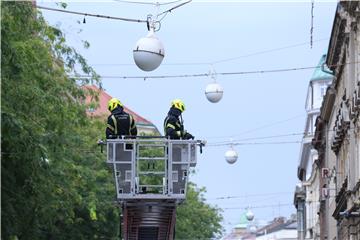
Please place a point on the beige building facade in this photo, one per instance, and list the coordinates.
(328, 198)
(337, 134)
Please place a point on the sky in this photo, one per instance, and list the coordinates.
(256, 110)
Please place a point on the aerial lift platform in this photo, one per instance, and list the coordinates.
(151, 175)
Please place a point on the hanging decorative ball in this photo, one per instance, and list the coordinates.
(249, 215)
(231, 156)
(214, 92)
(149, 52)
(252, 229)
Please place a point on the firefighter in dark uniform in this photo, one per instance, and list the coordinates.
(119, 123)
(173, 124)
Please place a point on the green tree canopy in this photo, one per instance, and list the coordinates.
(196, 219)
(53, 180)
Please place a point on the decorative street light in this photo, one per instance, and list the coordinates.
(249, 215)
(231, 155)
(214, 91)
(149, 51)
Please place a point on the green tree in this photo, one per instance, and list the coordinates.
(195, 219)
(53, 179)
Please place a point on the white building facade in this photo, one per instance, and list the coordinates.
(307, 193)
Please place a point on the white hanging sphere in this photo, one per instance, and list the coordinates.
(149, 52)
(253, 229)
(214, 92)
(249, 215)
(231, 156)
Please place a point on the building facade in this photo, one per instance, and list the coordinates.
(344, 137)
(337, 134)
(307, 192)
(278, 228)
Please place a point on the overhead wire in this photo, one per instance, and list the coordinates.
(92, 15)
(208, 74)
(259, 206)
(258, 128)
(266, 206)
(218, 61)
(246, 201)
(112, 17)
(169, 10)
(266, 51)
(251, 195)
(162, 17)
(201, 74)
(251, 143)
(258, 138)
(149, 3)
(312, 24)
(242, 142)
(136, 2)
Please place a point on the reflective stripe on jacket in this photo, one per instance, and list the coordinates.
(173, 127)
(120, 123)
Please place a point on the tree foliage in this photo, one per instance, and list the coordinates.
(54, 182)
(196, 219)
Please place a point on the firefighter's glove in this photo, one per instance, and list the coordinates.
(188, 136)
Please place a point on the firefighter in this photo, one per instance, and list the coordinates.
(173, 123)
(119, 123)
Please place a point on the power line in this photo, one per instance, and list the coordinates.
(251, 143)
(148, 3)
(261, 127)
(136, 2)
(243, 141)
(173, 8)
(312, 24)
(92, 15)
(263, 206)
(111, 17)
(251, 195)
(266, 137)
(260, 206)
(218, 61)
(265, 51)
(210, 74)
(202, 74)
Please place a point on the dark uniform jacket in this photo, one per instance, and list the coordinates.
(120, 123)
(173, 126)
